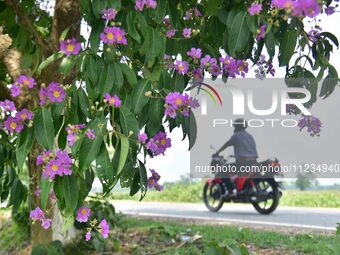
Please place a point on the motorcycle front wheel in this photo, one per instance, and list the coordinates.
(269, 205)
(213, 196)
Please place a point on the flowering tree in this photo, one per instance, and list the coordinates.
(73, 107)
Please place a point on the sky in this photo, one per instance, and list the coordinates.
(176, 161)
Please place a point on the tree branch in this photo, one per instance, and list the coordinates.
(28, 24)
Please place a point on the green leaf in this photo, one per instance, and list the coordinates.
(287, 46)
(18, 194)
(128, 121)
(43, 128)
(239, 34)
(160, 11)
(90, 148)
(212, 7)
(124, 151)
(140, 181)
(69, 191)
(23, 146)
(139, 100)
(156, 114)
(49, 60)
(152, 46)
(45, 186)
(98, 6)
(129, 74)
(118, 75)
(66, 65)
(94, 38)
(104, 168)
(131, 26)
(329, 82)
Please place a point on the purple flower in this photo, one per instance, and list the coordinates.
(254, 8)
(7, 106)
(24, 80)
(330, 10)
(207, 61)
(37, 214)
(46, 223)
(59, 163)
(282, 4)
(215, 70)
(88, 236)
(109, 14)
(23, 115)
(105, 228)
(54, 93)
(159, 143)
(186, 32)
(310, 8)
(142, 137)
(182, 67)
(113, 35)
(70, 47)
(197, 12)
(153, 179)
(112, 100)
(313, 125)
(13, 124)
(73, 133)
(90, 134)
(148, 3)
(15, 90)
(159, 187)
(195, 53)
(233, 67)
(313, 35)
(261, 32)
(178, 102)
(198, 74)
(170, 33)
(83, 214)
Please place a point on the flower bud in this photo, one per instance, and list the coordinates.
(148, 93)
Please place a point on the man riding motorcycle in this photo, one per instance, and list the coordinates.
(244, 151)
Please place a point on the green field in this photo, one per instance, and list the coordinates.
(192, 193)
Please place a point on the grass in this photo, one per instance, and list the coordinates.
(139, 236)
(192, 193)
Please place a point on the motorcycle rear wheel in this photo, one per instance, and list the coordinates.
(272, 187)
(213, 193)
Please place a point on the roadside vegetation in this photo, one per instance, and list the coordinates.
(191, 192)
(145, 236)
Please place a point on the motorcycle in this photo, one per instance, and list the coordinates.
(262, 189)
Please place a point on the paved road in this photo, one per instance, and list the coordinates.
(297, 218)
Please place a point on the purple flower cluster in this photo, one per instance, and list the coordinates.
(176, 102)
(109, 14)
(233, 67)
(313, 35)
(14, 124)
(299, 8)
(73, 133)
(264, 67)
(54, 92)
(38, 215)
(186, 32)
(112, 100)
(158, 144)
(70, 46)
(83, 215)
(193, 12)
(22, 81)
(313, 125)
(153, 181)
(59, 163)
(329, 10)
(254, 8)
(196, 64)
(113, 35)
(141, 4)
